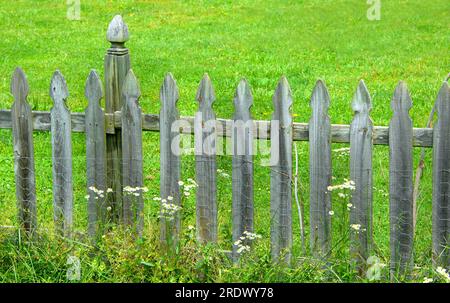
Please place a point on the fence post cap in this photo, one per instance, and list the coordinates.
(117, 30)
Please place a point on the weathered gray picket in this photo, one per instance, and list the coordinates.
(320, 171)
(401, 182)
(170, 164)
(24, 171)
(441, 179)
(132, 166)
(117, 64)
(95, 155)
(61, 155)
(281, 173)
(242, 163)
(205, 163)
(361, 174)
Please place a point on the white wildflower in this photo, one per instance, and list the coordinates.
(356, 227)
(443, 272)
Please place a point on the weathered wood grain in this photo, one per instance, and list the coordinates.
(401, 182)
(320, 171)
(132, 166)
(441, 179)
(95, 156)
(281, 174)
(117, 64)
(170, 164)
(61, 155)
(24, 170)
(242, 163)
(361, 173)
(340, 133)
(205, 163)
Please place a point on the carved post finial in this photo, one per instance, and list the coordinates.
(117, 31)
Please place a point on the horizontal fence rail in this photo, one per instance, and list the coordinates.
(340, 133)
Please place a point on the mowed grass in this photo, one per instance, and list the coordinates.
(258, 40)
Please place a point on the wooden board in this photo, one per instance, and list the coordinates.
(61, 155)
(281, 174)
(24, 170)
(401, 182)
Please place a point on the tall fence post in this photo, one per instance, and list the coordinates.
(242, 174)
(320, 171)
(205, 163)
(361, 173)
(95, 156)
(169, 159)
(117, 64)
(61, 155)
(22, 130)
(401, 182)
(441, 179)
(133, 201)
(281, 174)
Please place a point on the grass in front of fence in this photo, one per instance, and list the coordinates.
(259, 40)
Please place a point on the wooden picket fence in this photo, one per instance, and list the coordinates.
(114, 159)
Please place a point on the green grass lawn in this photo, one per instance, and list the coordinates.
(259, 40)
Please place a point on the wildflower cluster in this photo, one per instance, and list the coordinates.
(134, 191)
(357, 228)
(222, 173)
(342, 152)
(348, 184)
(343, 193)
(187, 187)
(168, 209)
(98, 192)
(443, 273)
(243, 243)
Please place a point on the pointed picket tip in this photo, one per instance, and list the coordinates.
(282, 102)
(362, 103)
(169, 90)
(93, 89)
(243, 94)
(443, 97)
(401, 101)
(283, 92)
(205, 92)
(58, 87)
(19, 85)
(320, 96)
(169, 80)
(448, 77)
(117, 30)
(131, 86)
